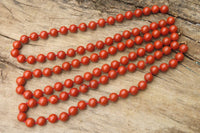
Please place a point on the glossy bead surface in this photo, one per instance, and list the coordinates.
(73, 110)
(93, 84)
(73, 28)
(30, 122)
(53, 118)
(63, 116)
(164, 9)
(54, 32)
(164, 67)
(34, 36)
(74, 92)
(41, 120)
(173, 63)
(82, 105)
(123, 93)
(21, 117)
(155, 9)
(119, 17)
(31, 103)
(142, 85)
(103, 100)
(133, 90)
(53, 99)
(92, 102)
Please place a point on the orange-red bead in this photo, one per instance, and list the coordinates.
(73, 110)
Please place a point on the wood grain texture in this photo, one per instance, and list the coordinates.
(170, 104)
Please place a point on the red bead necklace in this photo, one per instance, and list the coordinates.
(106, 72)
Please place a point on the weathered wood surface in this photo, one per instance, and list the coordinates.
(170, 104)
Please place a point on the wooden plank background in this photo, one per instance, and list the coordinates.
(171, 102)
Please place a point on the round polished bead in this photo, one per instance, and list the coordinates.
(113, 97)
(83, 88)
(115, 64)
(170, 20)
(48, 90)
(111, 20)
(71, 52)
(17, 45)
(92, 25)
(68, 83)
(58, 86)
(105, 68)
(121, 70)
(183, 48)
(57, 69)
(153, 26)
(96, 72)
(101, 22)
(83, 27)
(63, 116)
(92, 102)
(41, 120)
(73, 28)
(73, 110)
(131, 67)
(64, 96)
(129, 43)
(82, 105)
(27, 74)
(23, 107)
(133, 90)
(142, 85)
(129, 15)
(75, 63)
(158, 55)
(85, 60)
(146, 11)
(166, 50)
(154, 70)
(123, 93)
(173, 63)
(164, 31)
(156, 33)
(148, 77)
(158, 44)
(28, 94)
(51, 56)
(117, 37)
(24, 39)
(74, 92)
(88, 76)
(179, 57)
(174, 36)
(149, 47)
(41, 58)
(121, 46)
(31, 103)
(80, 50)
(63, 30)
(90, 47)
(155, 9)
(94, 57)
(93, 84)
(61, 55)
(162, 23)
(138, 13)
(135, 32)
(119, 17)
(150, 59)
(21, 117)
(78, 79)
(126, 34)
(43, 35)
(47, 72)
(132, 56)
(34, 36)
(103, 79)
(174, 45)
(53, 99)
(14, 53)
(138, 40)
(54, 32)
(21, 58)
(30, 122)
(20, 89)
(109, 41)
(112, 74)
(103, 54)
(66, 66)
(140, 52)
(166, 41)
(43, 101)
(145, 29)
(38, 93)
(31, 59)
(103, 100)
(141, 64)
(173, 28)
(164, 67)
(124, 60)
(147, 37)
(53, 118)
(20, 81)
(164, 9)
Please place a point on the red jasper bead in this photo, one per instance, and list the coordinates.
(23, 107)
(61, 55)
(126, 34)
(156, 33)
(47, 72)
(121, 46)
(20, 81)
(133, 90)
(20, 89)
(174, 45)
(173, 63)
(31, 59)
(63, 30)
(146, 11)
(83, 27)
(158, 55)
(68, 83)
(132, 56)
(135, 32)
(141, 52)
(129, 15)
(129, 43)
(179, 57)
(138, 40)
(119, 18)
(53, 99)
(103, 54)
(124, 60)
(83, 88)
(123, 93)
(150, 59)
(64, 96)
(101, 22)
(73, 28)
(103, 100)
(58, 86)
(105, 68)
(27, 74)
(41, 58)
(43, 35)
(96, 72)
(111, 20)
(51, 56)
(20, 58)
(73, 110)
(94, 57)
(183, 48)
(115, 64)
(103, 79)
(147, 37)
(166, 41)
(164, 31)
(74, 92)
(170, 20)
(71, 52)
(78, 79)
(166, 50)
(131, 67)
(92, 25)
(30, 122)
(142, 85)
(80, 50)
(48, 90)
(21, 117)
(155, 9)
(53, 32)
(99, 44)
(145, 29)
(154, 70)
(17, 45)
(75, 63)
(113, 97)
(164, 9)
(93, 84)
(162, 23)
(82, 105)
(109, 41)
(92, 102)
(174, 36)
(158, 44)
(149, 47)
(121, 70)
(37, 73)
(141, 64)
(24, 39)
(173, 28)
(66, 66)
(31, 103)
(138, 13)
(164, 67)
(112, 74)
(53, 118)
(34, 36)
(14, 52)
(43, 101)
(38, 93)
(153, 26)
(57, 69)
(90, 47)
(88, 76)
(117, 37)
(41, 120)
(28, 94)
(63, 116)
